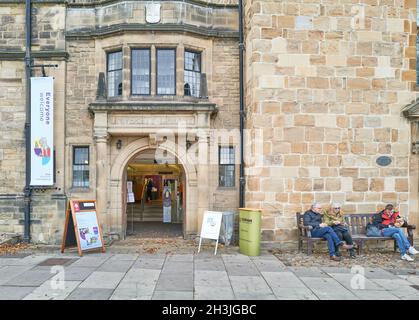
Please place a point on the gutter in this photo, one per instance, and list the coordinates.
(28, 189)
(242, 102)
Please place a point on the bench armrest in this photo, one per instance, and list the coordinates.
(306, 227)
(411, 226)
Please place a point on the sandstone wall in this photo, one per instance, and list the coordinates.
(326, 81)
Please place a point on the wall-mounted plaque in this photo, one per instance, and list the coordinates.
(383, 161)
(152, 13)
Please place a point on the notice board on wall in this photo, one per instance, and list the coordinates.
(82, 227)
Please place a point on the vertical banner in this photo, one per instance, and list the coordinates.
(42, 133)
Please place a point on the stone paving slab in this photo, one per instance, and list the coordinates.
(374, 295)
(413, 279)
(10, 261)
(203, 277)
(77, 273)
(177, 267)
(335, 269)
(251, 288)
(213, 293)
(309, 272)
(406, 293)
(132, 294)
(102, 280)
(240, 266)
(391, 284)
(124, 257)
(180, 257)
(53, 290)
(209, 264)
(349, 281)
(14, 293)
(173, 295)
(283, 280)
(168, 282)
(328, 289)
(112, 265)
(9, 272)
(90, 294)
(148, 263)
(302, 293)
(30, 278)
(269, 265)
(211, 278)
(378, 273)
(91, 261)
(139, 277)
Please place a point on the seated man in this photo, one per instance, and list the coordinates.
(335, 219)
(388, 221)
(313, 218)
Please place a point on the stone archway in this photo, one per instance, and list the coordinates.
(115, 187)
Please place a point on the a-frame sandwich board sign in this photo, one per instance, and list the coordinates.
(82, 227)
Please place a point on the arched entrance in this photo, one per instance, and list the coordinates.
(117, 206)
(155, 195)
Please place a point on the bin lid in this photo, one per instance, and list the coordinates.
(250, 209)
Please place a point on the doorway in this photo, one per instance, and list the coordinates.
(155, 197)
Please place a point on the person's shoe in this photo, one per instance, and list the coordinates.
(338, 254)
(352, 254)
(334, 258)
(412, 250)
(347, 246)
(407, 258)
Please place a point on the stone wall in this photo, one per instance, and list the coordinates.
(48, 24)
(103, 18)
(226, 95)
(326, 82)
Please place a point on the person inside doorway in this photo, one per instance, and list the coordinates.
(149, 189)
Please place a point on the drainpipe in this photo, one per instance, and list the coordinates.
(242, 112)
(28, 189)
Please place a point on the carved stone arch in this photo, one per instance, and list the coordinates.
(142, 144)
(115, 210)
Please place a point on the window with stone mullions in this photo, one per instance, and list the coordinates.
(226, 167)
(166, 76)
(192, 73)
(81, 167)
(140, 72)
(115, 74)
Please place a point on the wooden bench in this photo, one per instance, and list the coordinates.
(357, 223)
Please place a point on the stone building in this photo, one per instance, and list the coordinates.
(150, 90)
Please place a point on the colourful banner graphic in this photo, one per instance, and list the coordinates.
(42, 131)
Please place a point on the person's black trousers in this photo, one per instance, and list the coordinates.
(344, 235)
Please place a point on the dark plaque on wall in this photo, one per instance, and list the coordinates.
(383, 161)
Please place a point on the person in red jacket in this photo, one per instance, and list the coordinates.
(390, 227)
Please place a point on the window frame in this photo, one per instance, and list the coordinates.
(108, 53)
(157, 69)
(74, 164)
(149, 70)
(200, 69)
(233, 148)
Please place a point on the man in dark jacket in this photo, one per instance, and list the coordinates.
(313, 218)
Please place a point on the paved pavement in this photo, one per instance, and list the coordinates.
(200, 276)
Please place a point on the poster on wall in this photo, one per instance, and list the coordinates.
(167, 204)
(42, 131)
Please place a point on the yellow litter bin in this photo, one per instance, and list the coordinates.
(249, 231)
